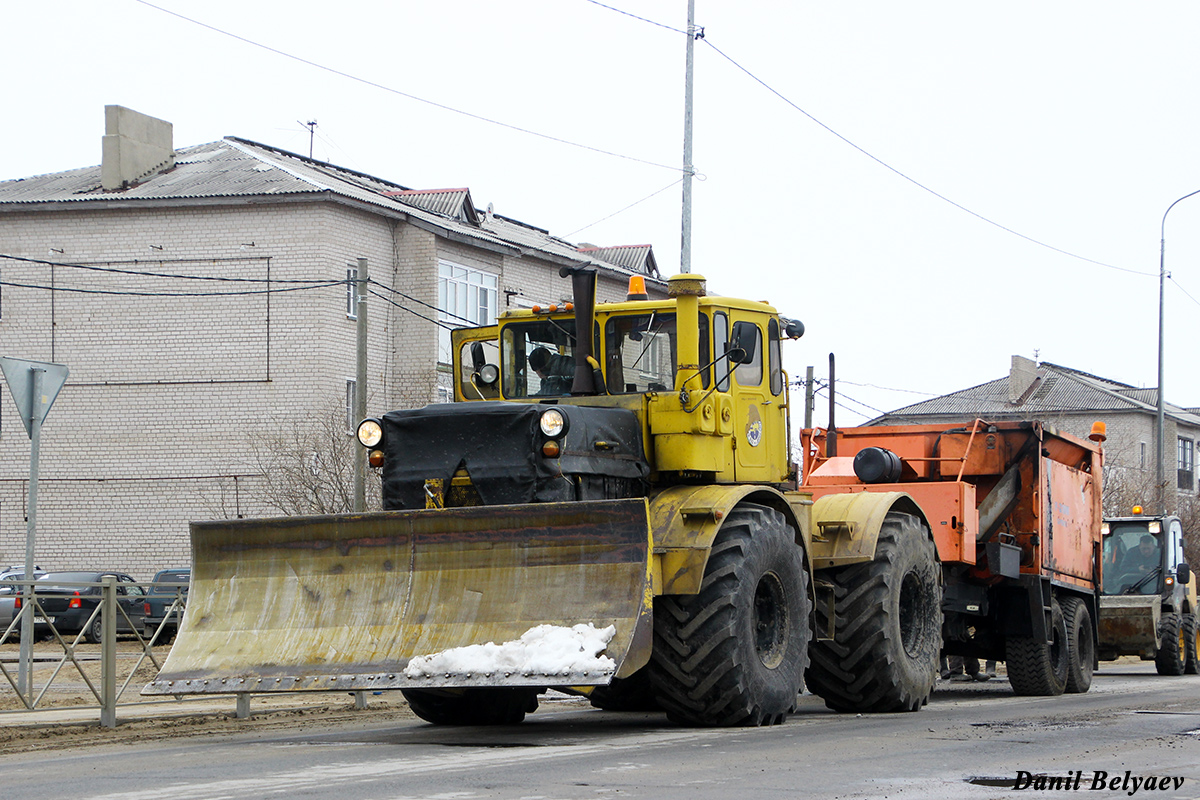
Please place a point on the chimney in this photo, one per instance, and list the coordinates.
(135, 147)
(1021, 379)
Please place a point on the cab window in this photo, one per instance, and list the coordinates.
(751, 372)
(538, 358)
(721, 347)
(478, 367)
(640, 353)
(774, 359)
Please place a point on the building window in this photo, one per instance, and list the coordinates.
(351, 404)
(1186, 454)
(1143, 454)
(465, 297)
(352, 291)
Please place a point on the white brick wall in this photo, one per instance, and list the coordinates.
(151, 429)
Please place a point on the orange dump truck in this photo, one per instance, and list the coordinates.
(1013, 510)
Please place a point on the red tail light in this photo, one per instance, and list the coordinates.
(16, 603)
(75, 601)
(146, 608)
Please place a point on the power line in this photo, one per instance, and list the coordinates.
(419, 302)
(626, 208)
(875, 158)
(1185, 291)
(635, 16)
(390, 301)
(375, 85)
(146, 274)
(854, 411)
(171, 294)
(911, 180)
(886, 388)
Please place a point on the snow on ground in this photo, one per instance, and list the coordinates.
(545, 650)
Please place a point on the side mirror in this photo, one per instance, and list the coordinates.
(744, 343)
(1183, 574)
(477, 357)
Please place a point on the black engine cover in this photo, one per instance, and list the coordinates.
(500, 445)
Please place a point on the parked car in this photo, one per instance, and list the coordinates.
(168, 585)
(8, 597)
(67, 603)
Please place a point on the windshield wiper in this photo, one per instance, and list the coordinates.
(1143, 581)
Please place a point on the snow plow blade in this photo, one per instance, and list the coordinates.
(350, 602)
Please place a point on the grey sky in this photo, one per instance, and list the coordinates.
(1074, 124)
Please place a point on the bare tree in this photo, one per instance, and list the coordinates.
(306, 466)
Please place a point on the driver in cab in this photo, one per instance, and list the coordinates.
(555, 371)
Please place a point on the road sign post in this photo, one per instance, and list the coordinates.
(34, 386)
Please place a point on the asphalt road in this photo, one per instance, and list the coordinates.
(971, 741)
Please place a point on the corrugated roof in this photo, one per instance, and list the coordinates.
(448, 202)
(234, 167)
(1059, 390)
(637, 257)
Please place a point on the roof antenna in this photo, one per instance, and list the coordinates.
(312, 127)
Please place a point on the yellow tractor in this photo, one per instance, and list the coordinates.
(608, 508)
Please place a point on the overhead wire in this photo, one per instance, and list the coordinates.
(912, 180)
(390, 301)
(148, 274)
(626, 208)
(708, 41)
(272, 289)
(420, 302)
(392, 90)
(131, 293)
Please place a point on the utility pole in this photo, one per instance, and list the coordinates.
(360, 387)
(1159, 425)
(312, 129)
(685, 244)
(808, 397)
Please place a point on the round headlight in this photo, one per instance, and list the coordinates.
(553, 422)
(488, 374)
(370, 432)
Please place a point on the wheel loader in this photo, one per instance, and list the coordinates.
(1148, 603)
(607, 508)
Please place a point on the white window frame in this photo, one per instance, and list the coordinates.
(466, 296)
(352, 291)
(351, 404)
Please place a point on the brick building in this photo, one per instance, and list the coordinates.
(1071, 401)
(199, 298)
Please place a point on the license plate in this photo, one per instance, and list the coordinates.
(43, 620)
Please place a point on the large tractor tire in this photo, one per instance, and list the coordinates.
(478, 706)
(1081, 647)
(1172, 648)
(1037, 666)
(635, 693)
(735, 653)
(1191, 627)
(888, 631)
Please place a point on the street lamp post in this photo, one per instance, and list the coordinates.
(1158, 417)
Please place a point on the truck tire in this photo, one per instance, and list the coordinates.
(888, 632)
(1081, 647)
(735, 653)
(1037, 666)
(1191, 627)
(477, 706)
(635, 693)
(1172, 645)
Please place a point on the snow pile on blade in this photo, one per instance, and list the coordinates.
(544, 650)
